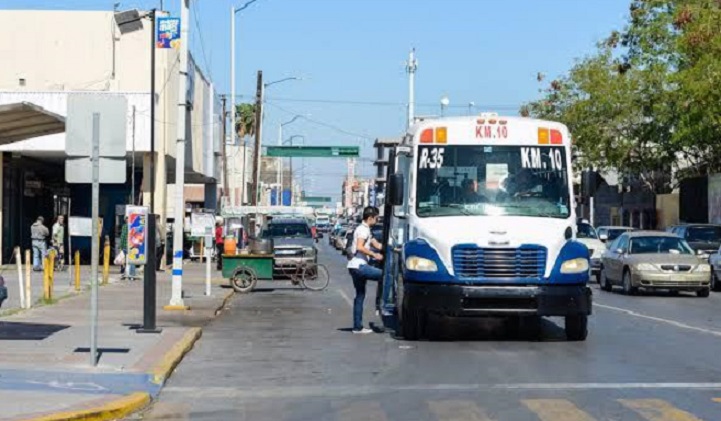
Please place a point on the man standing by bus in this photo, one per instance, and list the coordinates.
(360, 270)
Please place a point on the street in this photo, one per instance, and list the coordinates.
(281, 353)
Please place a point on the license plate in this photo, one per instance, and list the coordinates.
(285, 252)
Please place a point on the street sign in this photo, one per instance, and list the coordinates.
(112, 170)
(201, 224)
(113, 110)
(316, 199)
(79, 226)
(313, 151)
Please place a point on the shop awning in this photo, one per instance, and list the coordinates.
(24, 120)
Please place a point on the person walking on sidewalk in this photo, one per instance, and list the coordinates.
(360, 270)
(58, 237)
(127, 270)
(219, 247)
(39, 235)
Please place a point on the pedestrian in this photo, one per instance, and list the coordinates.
(219, 247)
(360, 269)
(39, 235)
(58, 237)
(159, 247)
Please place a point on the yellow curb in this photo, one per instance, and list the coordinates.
(176, 308)
(116, 409)
(172, 358)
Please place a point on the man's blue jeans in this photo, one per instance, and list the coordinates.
(360, 277)
(40, 250)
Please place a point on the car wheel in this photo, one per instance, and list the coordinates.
(715, 284)
(604, 282)
(576, 327)
(703, 293)
(628, 287)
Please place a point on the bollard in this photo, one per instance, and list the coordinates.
(51, 271)
(77, 271)
(28, 279)
(106, 260)
(202, 250)
(21, 284)
(46, 279)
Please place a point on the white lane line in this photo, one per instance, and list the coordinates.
(659, 319)
(345, 297)
(365, 390)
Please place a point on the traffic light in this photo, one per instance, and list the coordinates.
(590, 182)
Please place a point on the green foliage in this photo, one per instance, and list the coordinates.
(648, 100)
(245, 120)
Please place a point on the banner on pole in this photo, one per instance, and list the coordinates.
(137, 234)
(168, 35)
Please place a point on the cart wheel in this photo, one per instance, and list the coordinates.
(243, 280)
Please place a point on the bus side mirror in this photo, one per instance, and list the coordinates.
(395, 189)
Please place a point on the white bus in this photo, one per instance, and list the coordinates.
(482, 223)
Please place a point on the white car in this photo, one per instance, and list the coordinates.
(609, 233)
(587, 235)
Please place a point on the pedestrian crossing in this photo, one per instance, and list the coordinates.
(368, 409)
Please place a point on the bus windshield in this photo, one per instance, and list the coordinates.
(492, 181)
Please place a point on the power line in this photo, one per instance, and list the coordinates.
(382, 103)
(322, 123)
(208, 67)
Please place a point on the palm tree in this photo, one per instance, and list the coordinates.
(245, 120)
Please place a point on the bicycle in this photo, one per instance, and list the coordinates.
(313, 276)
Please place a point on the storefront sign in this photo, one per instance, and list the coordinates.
(201, 224)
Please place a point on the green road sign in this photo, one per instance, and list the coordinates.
(315, 199)
(313, 151)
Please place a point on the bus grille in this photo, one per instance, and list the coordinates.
(475, 263)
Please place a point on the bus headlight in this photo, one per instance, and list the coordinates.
(420, 264)
(578, 265)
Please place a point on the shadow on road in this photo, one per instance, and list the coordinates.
(16, 331)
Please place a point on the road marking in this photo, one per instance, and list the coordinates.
(361, 411)
(344, 391)
(659, 319)
(556, 410)
(457, 410)
(345, 297)
(657, 410)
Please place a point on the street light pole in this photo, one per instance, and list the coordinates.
(280, 159)
(233, 12)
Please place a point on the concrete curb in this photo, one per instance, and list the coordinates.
(112, 410)
(172, 358)
(227, 298)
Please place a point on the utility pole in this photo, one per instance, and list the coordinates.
(233, 123)
(226, 190)
(411, 68)
(176, 299)
(258, 127)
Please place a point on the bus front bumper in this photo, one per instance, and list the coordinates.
(469, 301)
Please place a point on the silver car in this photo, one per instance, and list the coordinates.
(654, 260)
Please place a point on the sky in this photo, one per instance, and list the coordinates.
(351, 57)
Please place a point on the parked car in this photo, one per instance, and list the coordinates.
(587, 235)
(293, 242)
(653, 260)
(608, 233)
(705, 239)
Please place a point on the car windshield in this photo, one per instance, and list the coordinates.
(492, 180)
(704, 234)
(614, 233)
(286, 230)
(586, 231)
(659, 245)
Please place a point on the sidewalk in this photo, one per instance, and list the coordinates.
(44, 370)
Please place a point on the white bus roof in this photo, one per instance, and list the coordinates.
(488, 129)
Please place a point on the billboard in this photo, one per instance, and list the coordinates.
(137, 234)
(168, 34)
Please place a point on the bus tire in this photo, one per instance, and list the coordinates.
(410, 322)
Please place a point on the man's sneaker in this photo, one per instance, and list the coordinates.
(363, 331)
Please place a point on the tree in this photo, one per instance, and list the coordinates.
(647, 102)
(245, 124)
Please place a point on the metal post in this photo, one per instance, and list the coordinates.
(592, 211)
(132, 158)
(149, 281)
(208, 251)
(279, 178)
(411, 68)
(94, 253)
(152, 110)
(258, 129)
(19, 261)
(232, 96)
(176, 299)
